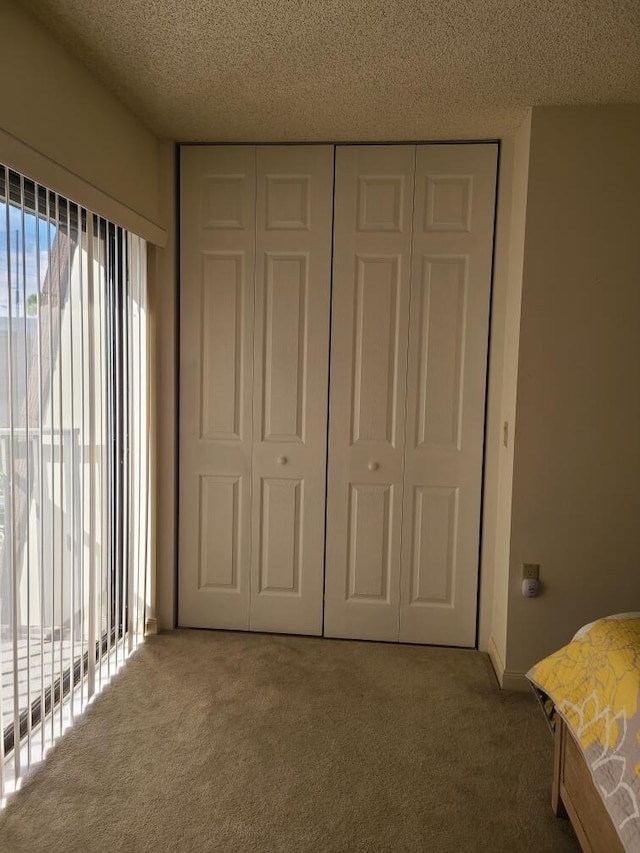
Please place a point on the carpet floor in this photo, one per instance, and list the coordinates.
(239, 743)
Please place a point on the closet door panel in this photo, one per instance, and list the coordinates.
(371, 268)
(216, 347)
(292, 292)
(448, 338)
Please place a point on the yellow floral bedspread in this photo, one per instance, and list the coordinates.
(594, 682)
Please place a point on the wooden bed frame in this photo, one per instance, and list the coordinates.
(574, 795)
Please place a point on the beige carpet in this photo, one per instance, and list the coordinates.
(241, 742)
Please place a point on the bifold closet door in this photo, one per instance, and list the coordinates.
(448, 338)
(217, 265)
(370, 324)
(255, 293)
(291, 374)
(412, 263)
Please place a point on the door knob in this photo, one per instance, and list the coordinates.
(282, 460)
(373, 466)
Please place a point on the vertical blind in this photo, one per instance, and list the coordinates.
(74, 462)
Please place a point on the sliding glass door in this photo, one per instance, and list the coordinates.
(74, 473)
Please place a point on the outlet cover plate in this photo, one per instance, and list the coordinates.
(530, 570)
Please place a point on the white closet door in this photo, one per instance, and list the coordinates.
(450, 293)
(291, 365)
(370, 320)
(216, 384)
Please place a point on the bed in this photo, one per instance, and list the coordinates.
(590, 692)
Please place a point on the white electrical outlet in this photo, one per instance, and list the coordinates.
(530, 571)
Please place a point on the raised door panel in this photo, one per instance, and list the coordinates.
(216, 384)
(281, 506)
(369, 568)
(292, 292)
(284, 343)
(219, 520)
(376, 349)
(433, 548)
(371, 269)
(221, 335)
(446, 382)
(442, 296)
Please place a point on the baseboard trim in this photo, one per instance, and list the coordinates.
(507, 679)
(496, 660)
(515, 681)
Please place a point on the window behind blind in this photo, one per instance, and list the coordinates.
(74, 462)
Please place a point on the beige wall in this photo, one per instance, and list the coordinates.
(576, 478)
(54, 106)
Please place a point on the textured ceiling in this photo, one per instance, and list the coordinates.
(263, 70)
